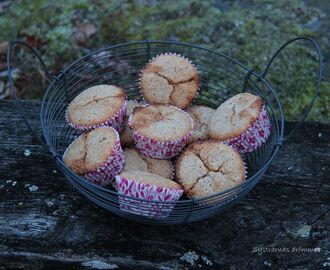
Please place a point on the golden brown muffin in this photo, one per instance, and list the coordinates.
(161, 122)
(201, 116)
(126, 136)
(169, 79)
(234, 116)
(138, 162)
(209, 167)
(95, 105)
(90, 150)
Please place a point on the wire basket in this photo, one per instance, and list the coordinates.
(220, 77)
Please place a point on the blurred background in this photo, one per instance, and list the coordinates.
(249, 31)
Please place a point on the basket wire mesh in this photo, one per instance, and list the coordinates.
(220, 78)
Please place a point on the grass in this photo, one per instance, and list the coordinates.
(249, 31)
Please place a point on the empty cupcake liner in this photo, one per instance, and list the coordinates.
(254, 136)
(136, 189)
(116, 121)
(105, 173)
(160, 149)
(152, 59)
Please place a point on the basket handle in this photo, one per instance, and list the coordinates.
(13, 89)
(319, 77)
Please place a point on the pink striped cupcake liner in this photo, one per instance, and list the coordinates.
(105, 174)
(254, 136)
(117, 121)
(152, 59)
(152, 193)
(160, 149)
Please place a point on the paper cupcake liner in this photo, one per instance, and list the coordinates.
(254, 136)
(116, 121)
(159, 149)
(135, 189)
(152, 59)
(105, 173)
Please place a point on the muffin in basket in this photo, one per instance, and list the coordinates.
(201, 116)
(100, 105)
(134, 161)
(96, 156)
(150, 187)
(209, 167)
(126, 137)
(241, 122)
(160, 131)
(169, 79)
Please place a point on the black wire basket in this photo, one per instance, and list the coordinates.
(220, 76)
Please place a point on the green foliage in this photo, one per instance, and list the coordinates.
(248, 33)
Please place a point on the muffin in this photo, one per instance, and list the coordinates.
(100, 105)
(169, 79)
(96, 156)
(126, 137)
(241, 122)
(139, 162)
(160, 131)
(209, 167)
(149, 187)
(201, 116)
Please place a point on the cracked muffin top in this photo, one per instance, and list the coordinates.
(90, 150)
(209, 167)
(126, 136)
(161, 122)
(201, 116)
(95, 105)
(150, 179)
(169, 79)
(137, 162)
(234, 116)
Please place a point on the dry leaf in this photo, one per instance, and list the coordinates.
(3, 47)
(82, 32)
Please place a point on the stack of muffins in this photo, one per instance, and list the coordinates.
(163, 147)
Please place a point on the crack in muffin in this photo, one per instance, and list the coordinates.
(96, 156)
(169, 79)
(134, 161)
(209, 167)
(234, 116)
(161, 122)
(96, 106)
(201, 116)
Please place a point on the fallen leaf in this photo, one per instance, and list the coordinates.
(3, 47)
(82, 32)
